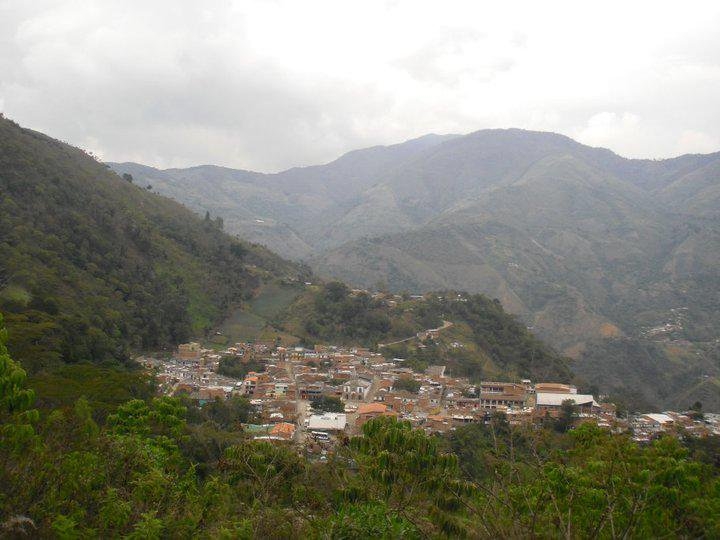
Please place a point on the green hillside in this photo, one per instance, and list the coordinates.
(93, 266)
(478, 338)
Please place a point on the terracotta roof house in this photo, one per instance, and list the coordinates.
(283, 430)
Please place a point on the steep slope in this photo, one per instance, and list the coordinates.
(294, 212)
(243, 199)
(696, 192)
(92, 266)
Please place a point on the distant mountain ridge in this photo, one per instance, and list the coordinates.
(586, 246)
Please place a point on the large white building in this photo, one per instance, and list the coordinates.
(326, 422)
(553, 401)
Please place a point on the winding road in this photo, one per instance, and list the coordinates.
(445, 325)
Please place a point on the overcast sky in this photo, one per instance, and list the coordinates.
(268, 85)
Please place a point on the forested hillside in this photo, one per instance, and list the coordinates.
(478, 338)
(93, 266)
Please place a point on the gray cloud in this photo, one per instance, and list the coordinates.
(269, 85)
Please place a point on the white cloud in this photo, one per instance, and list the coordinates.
(697, 142)
(271, 84)
(605, 128)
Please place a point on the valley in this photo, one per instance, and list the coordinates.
(589, 249)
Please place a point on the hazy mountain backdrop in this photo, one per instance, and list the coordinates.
(615, 261)
(95, 268)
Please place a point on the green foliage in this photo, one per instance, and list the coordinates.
(568, 411)
(228, 413)
(13, 396)
(587, 483)
(332, 314)
(408, 469)
(144, 472)
(16, 417)
(237, 366)
(337, 315)
(485, 450)
(93, 267)
(328, 404)
(368, 520)
(104, 388)
(263, 472)
(410, 385)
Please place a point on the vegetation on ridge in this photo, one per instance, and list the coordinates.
(93, 266)
(482, 341)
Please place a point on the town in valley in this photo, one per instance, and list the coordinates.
(318, 397)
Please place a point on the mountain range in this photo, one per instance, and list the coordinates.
(605, 257)
(96, 269)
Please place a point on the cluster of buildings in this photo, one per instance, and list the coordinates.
(365, 385)
(648, 426)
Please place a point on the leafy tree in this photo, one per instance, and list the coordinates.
(328, 404)
(262, 472)
(335, 291)
(408, 384)
(696, 411)
(368, 520)
(237, 366)
(228, 413)
(16, 417)
(408, 469)
(566, 417)
(143, 471)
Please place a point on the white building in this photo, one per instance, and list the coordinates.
(356, 389)
(553, 401)
(326, 422)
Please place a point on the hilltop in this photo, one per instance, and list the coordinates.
(471, 334)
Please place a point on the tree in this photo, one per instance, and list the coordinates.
(408, 384)
(335, 291)
(407, 469)
(237, 366)
(368, 520)
(127, 177)
(16, 417)
(568, 411)
(262, 471)
(228, 413)
(696, 411)
(328, 404)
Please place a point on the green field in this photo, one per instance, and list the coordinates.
(273, 298)
(250, 322)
